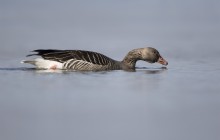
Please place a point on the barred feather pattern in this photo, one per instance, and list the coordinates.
(79, 60)
(75, 64)
(93, 61)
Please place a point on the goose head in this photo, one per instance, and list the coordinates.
(151, 55)
(148, 54)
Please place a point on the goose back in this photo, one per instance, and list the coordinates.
(79, 59)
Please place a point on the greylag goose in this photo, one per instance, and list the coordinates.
(81, 60)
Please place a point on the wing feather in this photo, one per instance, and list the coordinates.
(65, 55)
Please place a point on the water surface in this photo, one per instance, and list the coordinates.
(180, 102)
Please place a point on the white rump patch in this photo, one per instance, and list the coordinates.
(44, 64)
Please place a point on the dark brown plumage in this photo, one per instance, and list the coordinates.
(87, 60)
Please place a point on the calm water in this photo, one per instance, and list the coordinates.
(180, 102)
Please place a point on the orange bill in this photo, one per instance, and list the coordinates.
(162, 61)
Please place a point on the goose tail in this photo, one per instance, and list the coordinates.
(28, 62)
(44, 64)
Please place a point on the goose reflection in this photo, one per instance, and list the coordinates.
(152, 70)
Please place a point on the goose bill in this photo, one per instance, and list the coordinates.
(162, 61)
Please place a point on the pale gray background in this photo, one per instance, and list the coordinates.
(181, 102)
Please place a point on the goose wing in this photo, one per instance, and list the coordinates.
(65, 55)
